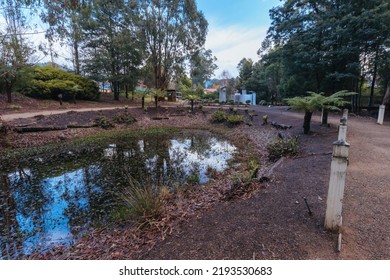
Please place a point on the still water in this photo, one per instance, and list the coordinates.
(45, 203)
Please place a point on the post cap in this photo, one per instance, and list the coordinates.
(343, 120)
(341, 142)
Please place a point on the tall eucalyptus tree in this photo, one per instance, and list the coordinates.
(15, 50)
(113, 44)
(65, 18)
(174, 29)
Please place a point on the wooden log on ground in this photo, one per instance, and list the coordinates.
(39, 129)
(160, 118)
(24, 125)
(266, 177)
(82, 125)
(280, 126)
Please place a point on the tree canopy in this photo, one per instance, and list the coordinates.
(121, 42)
(173, 29)
(323, 46)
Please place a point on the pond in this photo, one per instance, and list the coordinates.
(53, 199)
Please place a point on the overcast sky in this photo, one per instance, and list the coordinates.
(236, 29)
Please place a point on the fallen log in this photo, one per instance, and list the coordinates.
(280, 126)
(82, 125)
(160, 118)
(266, 176)
(177, 115)
(26, 124)
(39, 129)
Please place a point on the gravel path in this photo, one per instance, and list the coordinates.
(14, 116)
(366, 219)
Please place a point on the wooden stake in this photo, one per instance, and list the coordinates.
(340, 239)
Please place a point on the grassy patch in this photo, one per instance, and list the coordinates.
(145, 202)
(14, 107)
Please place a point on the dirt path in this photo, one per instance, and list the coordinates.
(366, 219)
(14, 116)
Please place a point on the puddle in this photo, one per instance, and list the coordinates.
(49, 204)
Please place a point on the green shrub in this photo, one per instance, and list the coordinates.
(124, 119)
(193, 179)
(234, 119)
(281, 147)
(218, 117)
(104, 122)
(48, 82)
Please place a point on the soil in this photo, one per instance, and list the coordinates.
(271, 220)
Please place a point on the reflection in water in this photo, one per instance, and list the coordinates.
(42, 205)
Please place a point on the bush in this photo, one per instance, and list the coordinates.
(280, 148)
(104, 122)
(210, 96)
(234, 119)
(218, 117)
(48, 82)
(124, 119)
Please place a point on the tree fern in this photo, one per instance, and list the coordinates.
(316, 102)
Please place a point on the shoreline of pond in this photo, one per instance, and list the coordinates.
(192, 202)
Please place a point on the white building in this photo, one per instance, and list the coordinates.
(238, 97)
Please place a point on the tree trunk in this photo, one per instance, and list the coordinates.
(156, 101)
(76, 57)
(9, 96)
(306, 122)
(386, 98)
(371, 103)
(8, 88)
(127, 91)
(116, 90)
(324, 117)
(143, 102)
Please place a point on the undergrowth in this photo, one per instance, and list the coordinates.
(280, 148)
(145, 202)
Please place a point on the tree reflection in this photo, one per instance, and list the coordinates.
(9, 227)
(54, 201)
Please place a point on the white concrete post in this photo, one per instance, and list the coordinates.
(381, 114)
(345, 115)
(343, 129)
(338, 170)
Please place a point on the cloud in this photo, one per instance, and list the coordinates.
(232, 43)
